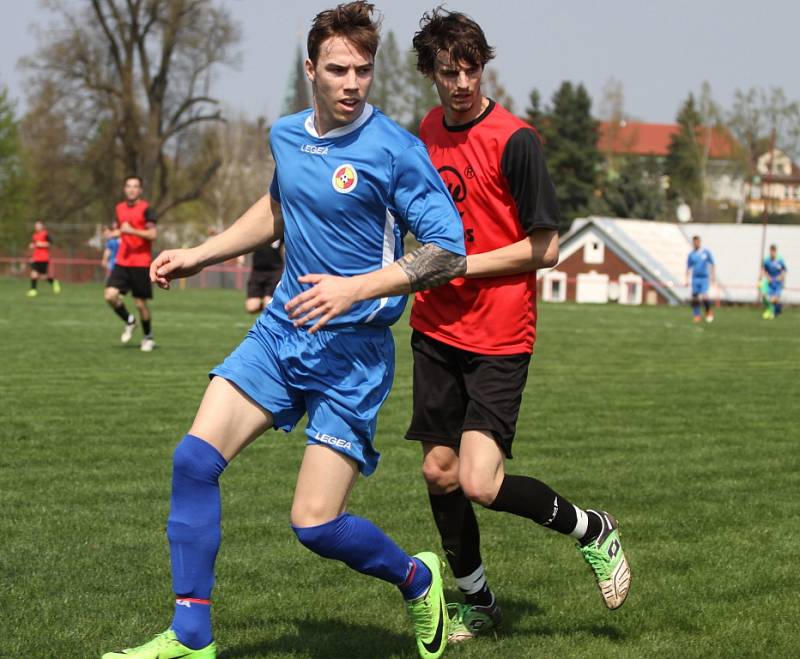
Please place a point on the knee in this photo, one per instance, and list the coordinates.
(111, 295)
(478, 488)
(312, 513)
(197, 460)
(322, 539)
(441, 477)
(252, 305)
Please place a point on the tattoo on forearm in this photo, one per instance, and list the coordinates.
(431, 266)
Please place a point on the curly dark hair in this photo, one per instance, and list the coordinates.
(451, 32)
(351, 20)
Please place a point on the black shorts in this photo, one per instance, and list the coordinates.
(40, 266)
(135, 280)
(262, 282)
(457, 390)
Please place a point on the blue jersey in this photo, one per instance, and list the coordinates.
(699, 262)
(112, 245)
(348, 198)
(774, 267)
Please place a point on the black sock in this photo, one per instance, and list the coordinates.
(593, 527)
(458, 528)
(33, 283)
(707, 305)
(122, 312)
(50, 280)
(529, 497)
(461, 541)
(146, 326)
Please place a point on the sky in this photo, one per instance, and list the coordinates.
(660, 51)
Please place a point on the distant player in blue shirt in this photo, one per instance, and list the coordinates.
(110, 251)
(348, 184)
(700, 267)
(774, 271)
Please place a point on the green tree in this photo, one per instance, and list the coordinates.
(533, 113)
(570, 144)
(420, 95)
(684, 162)
(388, 88)
(298, 96)
(635, 191)
(14, 220)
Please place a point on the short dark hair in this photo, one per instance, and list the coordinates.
(454, 33)
(774, 246)
(351, 20)
(136, 176)
(695, 237)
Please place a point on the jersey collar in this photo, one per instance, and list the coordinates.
(462, 127)
(311, 129)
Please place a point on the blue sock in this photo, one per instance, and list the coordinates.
(778, 308)
(361, 545)
(696, 310)
(193, 529)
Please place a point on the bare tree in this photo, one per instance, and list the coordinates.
(142, 69)
(494, 89)
(245, 170)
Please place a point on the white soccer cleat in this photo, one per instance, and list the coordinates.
(147, 345)
(127, 333)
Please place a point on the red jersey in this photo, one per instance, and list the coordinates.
(496, 174)
(135, 252)
(41, 254)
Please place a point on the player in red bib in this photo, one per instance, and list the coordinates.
(473, 338)
(40, 259)
(135, 224)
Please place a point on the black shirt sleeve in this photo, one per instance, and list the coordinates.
(531, 187)
(150, 215)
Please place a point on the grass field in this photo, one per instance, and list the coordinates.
(688, 434)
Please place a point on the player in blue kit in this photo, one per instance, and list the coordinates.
(774, 271)
(348, 183)
(700, 266)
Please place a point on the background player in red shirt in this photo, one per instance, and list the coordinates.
(40, 259)
(473, 337)
(135, 224)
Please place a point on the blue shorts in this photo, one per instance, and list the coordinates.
(699, 285)
(340, 378)
(775, 288)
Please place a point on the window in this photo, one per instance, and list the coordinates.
(594, 251)
(555, 287)
(631, 288)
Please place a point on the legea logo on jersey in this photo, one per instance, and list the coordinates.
(345, 178)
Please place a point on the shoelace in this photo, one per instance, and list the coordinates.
(597, 561)
(420, 616)
(460, 610)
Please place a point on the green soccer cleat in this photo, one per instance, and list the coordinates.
(56, 286)
(605, 556)
(31, 292)
(164, 646)
(468, 621)
(768, 315)
(429, 612)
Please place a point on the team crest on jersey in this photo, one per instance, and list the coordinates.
(345, 178)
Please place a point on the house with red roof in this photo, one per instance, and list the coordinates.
(635, 138)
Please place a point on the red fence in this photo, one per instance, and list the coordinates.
(89, 269)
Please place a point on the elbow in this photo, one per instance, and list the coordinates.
(550, 257)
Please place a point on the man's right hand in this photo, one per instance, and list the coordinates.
(174, 264)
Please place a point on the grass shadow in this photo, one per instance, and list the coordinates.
(323, 639)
